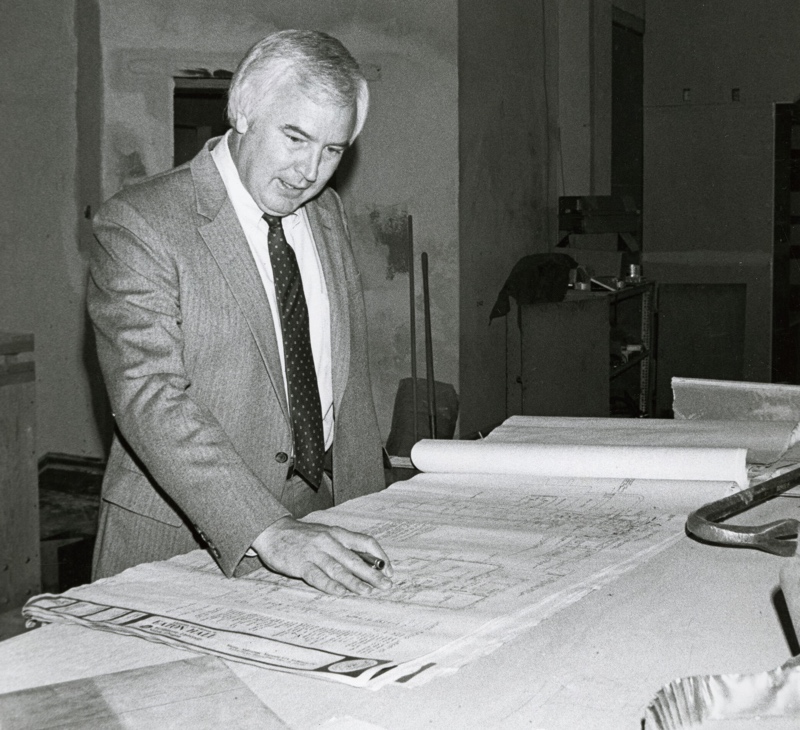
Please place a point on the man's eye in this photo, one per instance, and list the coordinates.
(294, 140)
(335, 151)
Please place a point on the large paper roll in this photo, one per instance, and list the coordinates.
(584, 461)
(765, 441)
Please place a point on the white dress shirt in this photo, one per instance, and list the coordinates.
(298, 235)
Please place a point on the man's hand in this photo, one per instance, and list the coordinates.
(323, 556)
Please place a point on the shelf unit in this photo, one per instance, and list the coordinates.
(578, 358)
(632, 315)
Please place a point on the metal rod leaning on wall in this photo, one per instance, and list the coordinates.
(429, 348)
(412, 306)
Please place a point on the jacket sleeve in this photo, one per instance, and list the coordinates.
(135, 306)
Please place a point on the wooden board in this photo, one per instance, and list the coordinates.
(189, 694)
(19, 502)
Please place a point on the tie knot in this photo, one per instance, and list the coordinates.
(273, 221)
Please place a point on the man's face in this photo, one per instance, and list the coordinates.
(289, 148)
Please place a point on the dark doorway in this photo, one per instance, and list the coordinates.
(627, 132)
(786, 247)
(704, 326)
(199, 114)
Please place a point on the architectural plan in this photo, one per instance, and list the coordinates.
(477, 558)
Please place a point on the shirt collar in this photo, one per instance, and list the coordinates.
(243, 203)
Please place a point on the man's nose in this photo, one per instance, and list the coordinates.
(308, 164)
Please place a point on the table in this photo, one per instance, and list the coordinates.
(692, 609)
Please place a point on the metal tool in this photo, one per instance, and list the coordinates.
(771, 538)
(426, 296)
(412, 308)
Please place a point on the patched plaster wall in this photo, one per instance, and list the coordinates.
(459, 94)
(42, 273)
(507, 115)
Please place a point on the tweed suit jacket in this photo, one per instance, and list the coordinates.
(189, 355)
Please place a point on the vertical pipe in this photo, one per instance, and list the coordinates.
(429, 348)
(413, 315)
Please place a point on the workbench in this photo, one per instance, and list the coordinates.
(692, 609)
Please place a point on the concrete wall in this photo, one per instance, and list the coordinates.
(405, 162)
(506, 197)
(42, 273)
(708, 198)
(535, 123)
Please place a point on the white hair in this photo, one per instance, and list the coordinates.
(320, 65)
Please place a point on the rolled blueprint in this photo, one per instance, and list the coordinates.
(765, 441)
(687, 463)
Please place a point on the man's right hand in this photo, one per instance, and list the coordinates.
(322, 556)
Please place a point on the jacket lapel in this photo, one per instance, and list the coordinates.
(322, 229)
(227, 243)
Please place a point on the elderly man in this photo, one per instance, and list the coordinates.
(231, 332)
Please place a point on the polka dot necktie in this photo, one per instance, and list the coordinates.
(301, 376)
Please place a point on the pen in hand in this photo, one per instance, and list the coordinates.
(371, 560)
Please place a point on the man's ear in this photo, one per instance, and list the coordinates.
(240, 123)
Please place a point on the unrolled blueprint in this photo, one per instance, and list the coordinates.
(477, 558)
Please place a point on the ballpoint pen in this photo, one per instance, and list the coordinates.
(371, 560)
